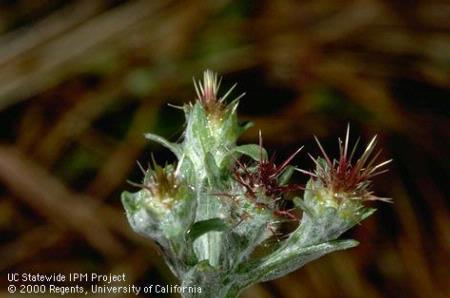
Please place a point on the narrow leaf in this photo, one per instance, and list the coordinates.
(290, 260)
(202, 227)
(171, 146)
(286, 175)
(212, 170)
(252, 150)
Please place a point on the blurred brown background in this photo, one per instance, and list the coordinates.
(81, 81)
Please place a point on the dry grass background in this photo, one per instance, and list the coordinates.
(81, 81)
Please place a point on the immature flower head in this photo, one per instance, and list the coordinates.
(161, 183)
(207, 92)
(347, 179)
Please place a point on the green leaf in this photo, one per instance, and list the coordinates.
(198, 127)
(246, 125)
(204, 226)
(252, 150)
(241, 246)
(301, 204)
(286, 175)
(187, 170)
(310, 187)
(130, 202)
(230, 126)
(212, 170)
(290, 259)
(141, 220)
(367, 212)
(171, 146)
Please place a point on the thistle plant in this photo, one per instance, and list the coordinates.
(217, 214)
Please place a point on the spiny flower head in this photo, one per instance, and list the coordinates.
(346, 178)
(207, 92)
(263, 179)
(161, 182)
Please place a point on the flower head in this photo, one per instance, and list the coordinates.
(207, 92)
(262, 180)
(160, 182)
(348, 179)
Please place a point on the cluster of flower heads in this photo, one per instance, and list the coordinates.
(344, 178)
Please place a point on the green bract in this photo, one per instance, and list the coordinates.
(211, 211)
